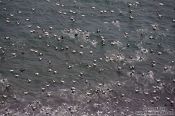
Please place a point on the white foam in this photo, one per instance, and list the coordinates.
(114, 55)
(82, 36)
(117, 24)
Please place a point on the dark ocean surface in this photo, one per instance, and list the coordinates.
(87, 57)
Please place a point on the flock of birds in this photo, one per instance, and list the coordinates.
(86, 58)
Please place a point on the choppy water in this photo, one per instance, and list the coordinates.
(86, 57)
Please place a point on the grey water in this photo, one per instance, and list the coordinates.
(87, 57)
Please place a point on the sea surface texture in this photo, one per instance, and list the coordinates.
(87, 57)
